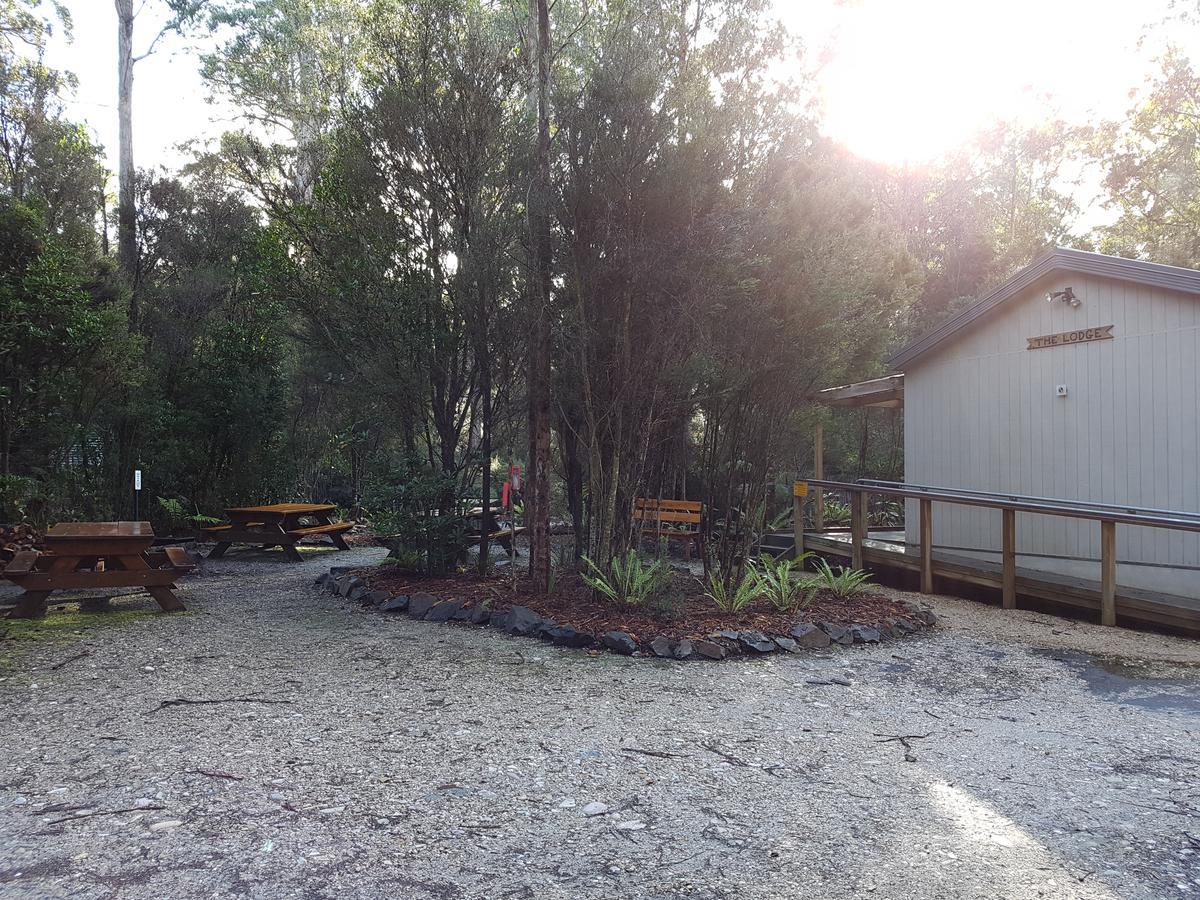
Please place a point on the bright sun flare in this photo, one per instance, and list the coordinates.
(910, 80)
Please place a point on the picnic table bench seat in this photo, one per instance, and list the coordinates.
(277, 525)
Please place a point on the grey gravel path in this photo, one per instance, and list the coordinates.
(395, 759)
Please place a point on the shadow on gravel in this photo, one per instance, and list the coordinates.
(1133, 684)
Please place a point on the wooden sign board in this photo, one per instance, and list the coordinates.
(800, 489)
(1081, 336)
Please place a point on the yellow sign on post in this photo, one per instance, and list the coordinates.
(800, 489)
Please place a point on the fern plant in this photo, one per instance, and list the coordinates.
(628, 580)
(731, 598)
(842, 583)
(775, 582)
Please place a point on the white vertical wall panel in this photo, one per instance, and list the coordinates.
(981, 413)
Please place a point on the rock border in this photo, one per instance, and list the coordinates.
(522, 621)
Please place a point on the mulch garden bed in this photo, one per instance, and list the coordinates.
(678, 619)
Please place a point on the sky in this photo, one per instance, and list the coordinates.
(902, 82)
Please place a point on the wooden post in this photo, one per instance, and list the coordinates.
(858, 528)
(799, 491)
(1108, 573)
(819, 473)
(1008, 558)
(926, 546)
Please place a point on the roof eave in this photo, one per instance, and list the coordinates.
(1059, 259)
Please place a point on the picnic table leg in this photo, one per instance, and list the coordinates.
(166, 599)
(292, 553)
(337, 540)
(30, 605)
(219, 550)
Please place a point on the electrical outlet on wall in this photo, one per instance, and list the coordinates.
(1060, 390)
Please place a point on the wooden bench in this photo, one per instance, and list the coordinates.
(672, 520)
(504, 537)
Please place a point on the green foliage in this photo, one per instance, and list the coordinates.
(417, 511)
(843, 583)
(628, 579)
(773, 580)
(732, 597)
(176, 514)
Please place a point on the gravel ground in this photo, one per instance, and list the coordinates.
(390, 758)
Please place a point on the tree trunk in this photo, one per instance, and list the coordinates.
(538, 493)
(126, 210)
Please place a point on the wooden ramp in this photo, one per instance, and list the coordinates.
(1135, 607)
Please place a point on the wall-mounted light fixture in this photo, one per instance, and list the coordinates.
(1066, 295)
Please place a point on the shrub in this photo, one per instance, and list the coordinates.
(843, 584)
(419, 514)
(629, 580)
(729, 598)
(774, 581)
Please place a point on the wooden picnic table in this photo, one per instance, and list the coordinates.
(278, 525)
(88, 555)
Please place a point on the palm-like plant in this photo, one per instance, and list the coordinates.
(775, 582)
(731, 598)
(628, 580)
(842, 583)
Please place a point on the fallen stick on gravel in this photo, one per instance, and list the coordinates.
(903, 739)
(729, 757)
(103, 812)
(184, 701)
(70, 659)
(227, 775)
(660, 754)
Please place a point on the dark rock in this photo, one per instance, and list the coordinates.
(480, 613)
(925, 616)
(420, 604)
(786, 643)
(520, 620)
(444, 611)
(809, 635)
(709, 649)
(839, 634)
(374, 598)
(463, 614)
(544, 628)
(663, 647)
(620, 642)
(756, 641)
(865, 634)
(684, 649)
(338, 571)
(356, 592)
(904, 626)
(567, 636)
(347, 583)
(727, 634)
(399, 603)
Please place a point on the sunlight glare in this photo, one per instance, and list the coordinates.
(910, 80)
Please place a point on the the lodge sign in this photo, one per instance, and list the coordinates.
(1081, 336)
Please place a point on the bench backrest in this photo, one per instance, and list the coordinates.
(683, 512)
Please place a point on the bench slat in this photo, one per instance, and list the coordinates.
(660, 515)
(24, 561)
(332, 528)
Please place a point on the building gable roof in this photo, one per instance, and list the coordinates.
(1059, 259)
